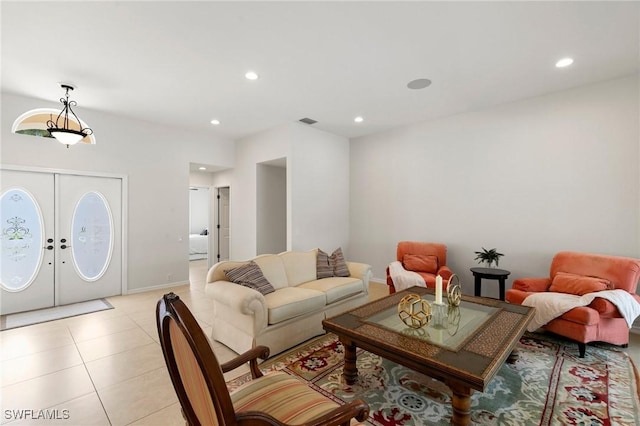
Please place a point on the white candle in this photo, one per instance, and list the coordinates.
(438, 290)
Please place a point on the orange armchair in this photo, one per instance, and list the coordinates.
(426, 259)
(576, 273)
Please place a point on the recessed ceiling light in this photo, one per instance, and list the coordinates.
(358, 119)
(202, 168)
(564, 62)
(215, 122)
(251, 75)
(419, 83)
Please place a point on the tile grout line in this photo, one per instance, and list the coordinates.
(95, 389)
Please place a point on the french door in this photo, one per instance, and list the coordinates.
(61, 238)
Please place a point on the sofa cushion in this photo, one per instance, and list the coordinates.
(577, 284)
(300, 266)
(250, 275)
(420, 263)
(582, 315)
(336, 288)
(324, 269)
(273, 270)
(340, 268)
(290, 302)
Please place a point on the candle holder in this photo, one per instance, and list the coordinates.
(414, 311)
(439, 316)
(454, 291)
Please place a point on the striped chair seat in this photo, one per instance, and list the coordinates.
(282, 396)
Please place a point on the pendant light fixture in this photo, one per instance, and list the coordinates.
(61, 127)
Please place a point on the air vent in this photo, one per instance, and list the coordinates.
(307, 120)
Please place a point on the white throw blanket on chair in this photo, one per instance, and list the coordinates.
(550, 305)
(403, 279)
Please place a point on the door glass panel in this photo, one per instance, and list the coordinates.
(22, 239)
(92, 236)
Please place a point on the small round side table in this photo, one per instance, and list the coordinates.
(489, 274)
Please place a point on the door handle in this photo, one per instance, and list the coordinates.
(63, 240)
(49, 247)
(64, 246)
(49, 240)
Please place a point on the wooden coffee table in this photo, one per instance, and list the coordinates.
(464, 347)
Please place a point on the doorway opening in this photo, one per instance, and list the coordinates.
(198, 223)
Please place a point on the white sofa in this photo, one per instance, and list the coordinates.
(244, 318)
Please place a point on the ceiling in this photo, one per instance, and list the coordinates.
(182, 63)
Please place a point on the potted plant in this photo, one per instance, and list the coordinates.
(488, 257)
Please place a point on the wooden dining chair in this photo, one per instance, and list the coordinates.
(275, 398)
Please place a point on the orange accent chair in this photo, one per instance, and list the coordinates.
(580, 273)
(426, 259)
(275, 398)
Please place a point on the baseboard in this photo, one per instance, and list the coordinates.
(635, 329)
(378, 280)
(156, 287)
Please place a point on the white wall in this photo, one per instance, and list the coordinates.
(271, 209)
(558, 172)
(204, 179)
(319, 197)
(155, 159)
(317, 188)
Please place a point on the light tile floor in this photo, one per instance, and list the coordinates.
(106, 368)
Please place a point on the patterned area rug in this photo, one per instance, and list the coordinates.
(548, 385)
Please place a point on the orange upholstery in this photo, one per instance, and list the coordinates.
(600, 321)
(424, 249)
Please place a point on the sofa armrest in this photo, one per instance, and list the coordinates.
(360, 270)
(606, 309)
(532, 284)
(515, 296)
(445, 273)
(244, 300)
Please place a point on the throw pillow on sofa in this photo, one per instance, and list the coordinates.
(324, 269)
(250, 275)
(331, 266)
(564, 282)
(420, 263)
(340, 268)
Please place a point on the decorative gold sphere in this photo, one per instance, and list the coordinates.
(414, 311)
(454, 291)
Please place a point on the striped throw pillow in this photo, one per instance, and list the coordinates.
(324, 269)
(336, 260)
(250, 275)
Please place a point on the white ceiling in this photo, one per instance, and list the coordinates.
(182, 63)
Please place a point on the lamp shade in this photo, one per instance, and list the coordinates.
(67, 136)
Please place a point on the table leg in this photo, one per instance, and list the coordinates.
(350, 371)
(501, 282)
(461, 403)
(477, 281)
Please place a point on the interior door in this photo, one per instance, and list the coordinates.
(27, 234)
(88, 238)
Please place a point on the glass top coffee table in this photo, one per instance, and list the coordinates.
(463, 347)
